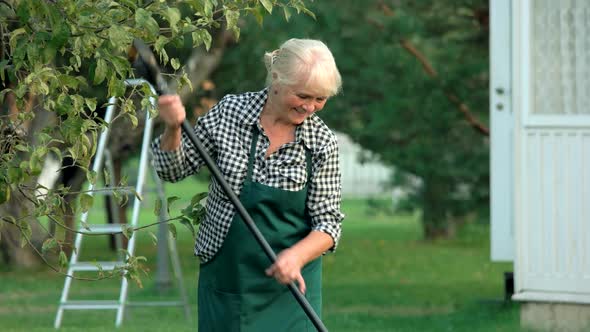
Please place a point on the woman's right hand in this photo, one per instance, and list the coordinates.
(172, 111)
(173, 114)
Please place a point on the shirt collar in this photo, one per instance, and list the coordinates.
(253, 107)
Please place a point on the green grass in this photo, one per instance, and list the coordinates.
(382, 278)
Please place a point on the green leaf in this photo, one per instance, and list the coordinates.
(175, 63)
(133, 119)
(136, 194)
(127, 231)
(196, 199)
(106, 176)
(231, 17)
(172, 230)
(91, 103)
(3, 65)
(118, 36)
(14, 37)
(4, 194)
(187, 222)
(267, 5)
(21, 147)
(157, 207)
(85, 225)
(100, 72)
(287, 12)
(35, 164)
(48, 245)
(258, 15)
(63, 259)
(91, 176)
(308, 12)
(26, 233)
(173, 17)
(202, 36)
(6, 11)
(86, 202)
(186, 81)
(170, 201)
(116, 86)
(144, 19)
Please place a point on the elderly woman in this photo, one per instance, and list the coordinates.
(282, 161)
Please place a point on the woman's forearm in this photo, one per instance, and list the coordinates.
(312, 246)
(170, 139)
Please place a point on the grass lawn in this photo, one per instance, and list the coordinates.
(382, 278)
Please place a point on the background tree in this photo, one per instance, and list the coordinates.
(59, 59)
(415, 92)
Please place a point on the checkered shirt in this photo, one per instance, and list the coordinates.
(226, 134)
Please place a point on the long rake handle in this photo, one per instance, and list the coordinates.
(188, 130)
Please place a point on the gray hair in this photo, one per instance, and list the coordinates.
(304, 61)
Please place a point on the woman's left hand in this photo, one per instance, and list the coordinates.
(287, 269)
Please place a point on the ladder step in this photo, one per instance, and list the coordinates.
(156, 304)
(93, 266)
(108, 191)
(84, 305)
(103, 228)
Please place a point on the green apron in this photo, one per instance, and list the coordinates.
(235, 295)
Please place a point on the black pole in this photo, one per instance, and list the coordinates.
(146, 63)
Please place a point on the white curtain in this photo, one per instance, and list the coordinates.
(561, 56)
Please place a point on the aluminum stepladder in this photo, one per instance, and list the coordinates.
(76, 265)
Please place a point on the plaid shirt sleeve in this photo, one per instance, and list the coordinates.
(324, 194)
(177, 164)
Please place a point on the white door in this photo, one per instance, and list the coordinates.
(552, 149)
(502, 137)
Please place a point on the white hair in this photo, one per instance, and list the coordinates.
(305, 61)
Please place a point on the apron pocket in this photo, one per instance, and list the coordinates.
(218, 311)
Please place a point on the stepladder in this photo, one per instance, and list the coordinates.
(81, 262)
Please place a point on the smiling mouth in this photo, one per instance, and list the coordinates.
(300, 111)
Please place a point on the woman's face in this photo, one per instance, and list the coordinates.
(298, 102)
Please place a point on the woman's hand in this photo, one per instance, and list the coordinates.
(173, 114)
(287, 268)
(290, 261)
(171, 110)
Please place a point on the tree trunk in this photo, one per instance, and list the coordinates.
(436, 220)
(12, 252)
(19, 206)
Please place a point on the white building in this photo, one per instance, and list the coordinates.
(540, 111)
(360, 179)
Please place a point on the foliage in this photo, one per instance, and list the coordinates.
(56, 54)
(415, 93)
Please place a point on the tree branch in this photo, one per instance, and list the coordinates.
(452, 97)
(430, 71)
(55, 220)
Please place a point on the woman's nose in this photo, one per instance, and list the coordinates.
(308, 107)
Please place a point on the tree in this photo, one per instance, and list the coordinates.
(415, 93)
(59, 59)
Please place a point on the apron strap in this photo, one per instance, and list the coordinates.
(252, 155)
(309, 165)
